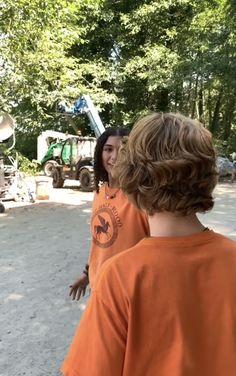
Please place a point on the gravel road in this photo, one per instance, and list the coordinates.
(44, 246)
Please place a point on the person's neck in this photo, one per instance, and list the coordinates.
(168, 224)
(111, 182)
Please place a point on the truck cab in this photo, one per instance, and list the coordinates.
(75, 162)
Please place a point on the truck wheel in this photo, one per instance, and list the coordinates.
(2, 208)
(86, 179)
(48, 168)
(57, 181)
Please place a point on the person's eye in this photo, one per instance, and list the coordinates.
(107, 149)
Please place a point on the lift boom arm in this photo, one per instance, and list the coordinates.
(84, 104)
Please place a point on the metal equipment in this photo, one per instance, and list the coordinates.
(84, 105)
(12, 182)
(7, 130)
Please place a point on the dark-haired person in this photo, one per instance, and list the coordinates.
(166, 306)
(116, 224)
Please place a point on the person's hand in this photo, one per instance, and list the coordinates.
(79, 287)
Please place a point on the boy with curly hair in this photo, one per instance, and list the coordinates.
(166, 306)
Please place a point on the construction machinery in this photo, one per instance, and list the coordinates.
(7, 127)
(84, 105)
(49, 147)
(12, 182)
(65, 156)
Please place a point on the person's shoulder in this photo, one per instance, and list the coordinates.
(114, 267)
(100, 194)
(101, 190)
(225, 243)
(122, 256)
(224, 238)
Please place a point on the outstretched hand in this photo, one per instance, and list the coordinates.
(78, 288)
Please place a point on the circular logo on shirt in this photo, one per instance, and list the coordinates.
(104, 225)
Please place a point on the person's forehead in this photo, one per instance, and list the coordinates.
(113, 141)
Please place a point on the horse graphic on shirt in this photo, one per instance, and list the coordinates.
(102, 228)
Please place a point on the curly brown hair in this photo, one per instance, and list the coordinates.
(168, 164)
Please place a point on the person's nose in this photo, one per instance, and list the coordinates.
(114, 156)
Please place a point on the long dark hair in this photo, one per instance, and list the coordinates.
(100, 174)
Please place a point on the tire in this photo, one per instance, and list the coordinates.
(49, 167)
(2, 208)
(58, 180)
(86, 179)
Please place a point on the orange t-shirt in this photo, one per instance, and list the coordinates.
(116, 225)
(166, 307)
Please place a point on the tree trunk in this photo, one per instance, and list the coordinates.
(214, 126)
(193, 109)
(200, 102)
(209, 106)
(228, 117)
(162, 100)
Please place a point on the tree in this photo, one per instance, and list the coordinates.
(130, 56)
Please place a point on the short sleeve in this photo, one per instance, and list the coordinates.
(98, 348)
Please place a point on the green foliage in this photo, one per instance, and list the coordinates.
(23, 163)
(27, 166)
(130, 56)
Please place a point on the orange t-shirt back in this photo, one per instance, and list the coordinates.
(116, 225)
(166, 307)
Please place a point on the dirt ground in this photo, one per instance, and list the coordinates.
(44, 246)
